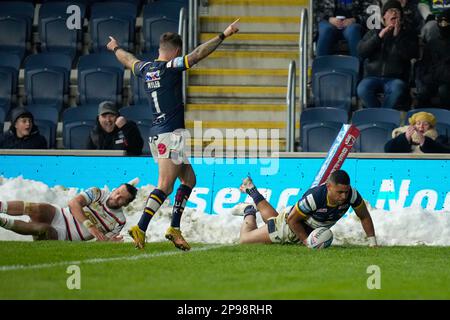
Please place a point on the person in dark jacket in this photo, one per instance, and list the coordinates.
(434, 68)
(339, 19)
(114, 132)
(419, 137)
(23, 133)
(387, 53)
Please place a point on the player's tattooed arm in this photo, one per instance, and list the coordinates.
(124, 57)
(205, 49)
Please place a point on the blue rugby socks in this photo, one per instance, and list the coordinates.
(181, 198)
(154, 202)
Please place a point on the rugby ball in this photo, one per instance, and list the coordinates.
(320, 238)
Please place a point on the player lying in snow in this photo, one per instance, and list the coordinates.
(321, 206)
(94, 213)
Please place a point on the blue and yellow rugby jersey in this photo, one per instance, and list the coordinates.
(163, 87)
(316, 210)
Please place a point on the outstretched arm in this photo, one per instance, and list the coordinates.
(76, 208)
(366, 222)
(125, 58)
(205, 49)
(294, 221)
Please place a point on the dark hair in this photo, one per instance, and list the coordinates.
(339, 177)
(131, 190)
(170, 39)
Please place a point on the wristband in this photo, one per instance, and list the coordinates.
(372, 241)
(222, 36)
(88, 224)
(116, 48)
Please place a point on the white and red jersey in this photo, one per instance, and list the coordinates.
(109, 221)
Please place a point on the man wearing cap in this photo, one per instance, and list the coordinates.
(23, 133)
(419, 137)
(93, 214)
(433, 83)
(114, 132)
(387, 54)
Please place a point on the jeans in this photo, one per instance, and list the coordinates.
(393, 89)
(329, 35)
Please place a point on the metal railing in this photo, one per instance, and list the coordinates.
(303, 57)
(290, 101)
(193, 24)
(182, 31)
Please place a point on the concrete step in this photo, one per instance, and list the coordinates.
(266, 39)
(236, 145)
(281, 125)
(241, 59)
(242, 8)
(193, 107)
(224, 115)
(237, 91)
(217, 77)
(267, 24)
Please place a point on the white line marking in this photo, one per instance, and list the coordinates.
(102, 260)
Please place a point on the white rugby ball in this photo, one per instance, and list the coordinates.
(320, 238)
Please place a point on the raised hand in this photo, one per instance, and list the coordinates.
(232, 29)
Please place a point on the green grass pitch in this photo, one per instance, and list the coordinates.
(38, 270)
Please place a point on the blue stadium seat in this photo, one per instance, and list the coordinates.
(53, 31)
(138, 112)
(47, 77)
(159, 17)
(77, 124)
(375, 126)
(138, 91)
(100, 78)
(75, 134)
(115, 19)
(319, 127)
(334, 81)
(9, 73)
(144, 127)
(16, 20)
(2, 120)
(46, 118)
(442, 119)
(81, 113)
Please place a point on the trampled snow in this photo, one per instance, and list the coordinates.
(409, 226)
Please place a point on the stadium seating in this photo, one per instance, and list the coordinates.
(137, 112)
(46, 118)
(77, 124)
(53, 32)
(47, 78)
(319, 127)
(16, 20)
(115, 19)
(442, 119)
(375, 126)
(159, 17)
(2, 121)
(138, 91)
(9, 72)
(100, 78)
(334, 80)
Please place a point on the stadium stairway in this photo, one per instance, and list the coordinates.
(243, 84)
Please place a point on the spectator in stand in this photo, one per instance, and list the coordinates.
(429, 10)
(339, 19)
(387, 53)
(434, 68)
(23, 133)
(114, 132)
(419, 137)
(411, 15)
